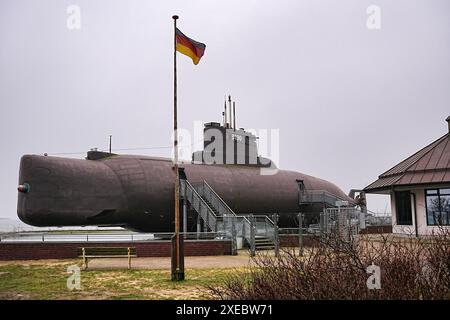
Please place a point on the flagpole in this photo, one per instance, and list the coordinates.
(178, 273)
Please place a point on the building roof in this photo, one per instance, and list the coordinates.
(430, 165)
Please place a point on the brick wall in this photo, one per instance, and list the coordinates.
(376, 229)
(291, 240)
(65, 250)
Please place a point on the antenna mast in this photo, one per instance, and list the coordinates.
(229, 103)
(225, 113)
(234, 115)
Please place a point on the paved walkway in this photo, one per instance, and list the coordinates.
(243, 259)
(197, 262)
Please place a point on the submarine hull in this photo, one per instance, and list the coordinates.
(137, 192)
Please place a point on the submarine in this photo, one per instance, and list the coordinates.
(137, 192)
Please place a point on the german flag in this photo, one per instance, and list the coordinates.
(189, 47)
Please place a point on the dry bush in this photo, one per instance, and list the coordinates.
(411, 268)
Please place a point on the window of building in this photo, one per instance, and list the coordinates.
(403, 208)
(438, 206)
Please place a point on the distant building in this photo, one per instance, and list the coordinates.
(419, 188)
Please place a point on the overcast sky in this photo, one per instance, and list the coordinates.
(350, 102)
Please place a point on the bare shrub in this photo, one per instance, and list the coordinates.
(411, 268)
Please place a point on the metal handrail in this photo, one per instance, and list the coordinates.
(103, 237)
(326, 195)
(218, 197)
(200, 197)
(247, 229)
(246, 223)
(343, 221)
(270, 220)
(188, 186)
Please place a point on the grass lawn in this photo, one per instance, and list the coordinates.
(44, 280)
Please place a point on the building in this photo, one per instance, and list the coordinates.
(419, 187)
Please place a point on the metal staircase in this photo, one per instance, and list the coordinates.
(198, 203)
(264, 243)
(258, 231)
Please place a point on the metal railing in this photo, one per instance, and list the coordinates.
(231, 224)
(226, 220)
(319, 196)
(209, 194)
(199, 204)
(264, 225)
(223, 221)
(345, 221)
(103, 237)
(378, 219)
